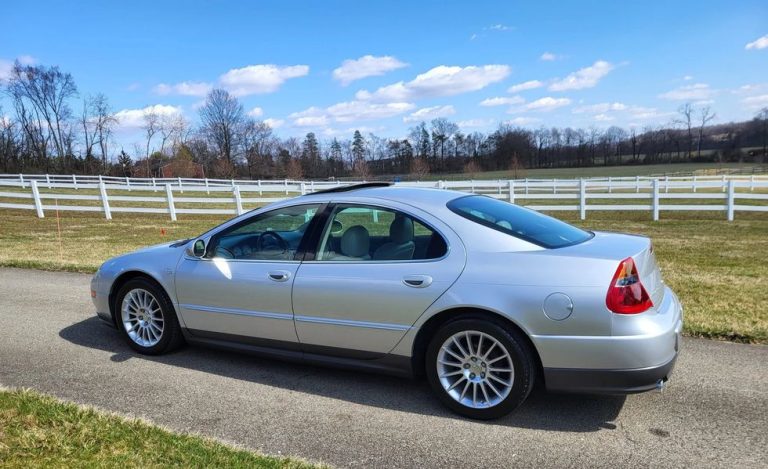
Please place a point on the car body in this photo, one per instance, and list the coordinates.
(367, 276)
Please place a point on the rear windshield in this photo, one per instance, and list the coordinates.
(519, 222)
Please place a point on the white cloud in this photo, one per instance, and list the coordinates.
(688, 77)
(756, 102)
(499, 27)
(350, 111)
(366, 66)
(256, 112)
(274, 123)
(528, 85)
(548, 57)
(473, 37)
(439, 81)
(353, 111)
(523, 121)
(474, 123)
(134, 118)
(260, 79)
(133, 86)
(586, 77)
(502, 101)
(759, 43)
(185, 88)
(697, 91)
(600, 108)
(430, 113)
(603, 117)
(547, 103)
(6, 66)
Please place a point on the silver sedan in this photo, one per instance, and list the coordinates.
(484, 298)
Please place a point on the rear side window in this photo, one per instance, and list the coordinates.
(519, 222)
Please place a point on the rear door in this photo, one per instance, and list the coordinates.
(367, 285)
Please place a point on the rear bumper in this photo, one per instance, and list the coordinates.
(639, 354)
(607, 381)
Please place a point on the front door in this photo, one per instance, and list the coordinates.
(241, 289)
(377, 269)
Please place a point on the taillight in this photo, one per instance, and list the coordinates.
(627, 294)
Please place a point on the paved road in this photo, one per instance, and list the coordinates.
(713, 413)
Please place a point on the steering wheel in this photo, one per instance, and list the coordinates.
(270, 240)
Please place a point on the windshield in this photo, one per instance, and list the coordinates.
(519, 222)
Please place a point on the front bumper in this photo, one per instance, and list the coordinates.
(637, 357)
(100, 300)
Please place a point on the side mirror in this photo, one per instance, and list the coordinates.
(198, 249)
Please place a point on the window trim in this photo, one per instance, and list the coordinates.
(468, 216)
(300, 250)
(328, 218)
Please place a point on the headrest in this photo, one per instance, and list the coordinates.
(355, 242)
(401, 230)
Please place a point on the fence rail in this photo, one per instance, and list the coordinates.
(172, 196)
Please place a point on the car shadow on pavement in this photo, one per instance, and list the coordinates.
(542, 411)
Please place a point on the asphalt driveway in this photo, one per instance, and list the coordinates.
(713, 413)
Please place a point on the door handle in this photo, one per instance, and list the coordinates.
(279, 275)
(417, 281)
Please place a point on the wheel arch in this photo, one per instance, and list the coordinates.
(124, 278)
(430, 327)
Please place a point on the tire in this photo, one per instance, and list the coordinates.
(456, 380)
(146, 319)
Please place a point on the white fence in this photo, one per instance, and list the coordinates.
(626, 193)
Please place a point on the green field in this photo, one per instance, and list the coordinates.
(606, 171)
(716, 267)
(39, 431)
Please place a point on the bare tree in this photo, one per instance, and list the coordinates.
(706, 115)
(686, 120)
(151, 127)
(97, 122)
(47, 90)
(223, 117)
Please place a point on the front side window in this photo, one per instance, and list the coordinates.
(275, 235)
(519, 222)
(366, 233)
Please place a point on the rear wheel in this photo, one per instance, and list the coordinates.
(146, 318)
(479, 369)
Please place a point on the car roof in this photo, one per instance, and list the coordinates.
(421, 197)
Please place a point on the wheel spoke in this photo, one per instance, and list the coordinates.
(500, 370)
(453, 354)
(453, 373)
(456, 383)
(490, 349)
(493, 388)
(458, 345)
(474, 394)
(454, 364)
(469, 343)
(479, 350)
(464, 391)
(495, 378)
(485, 393)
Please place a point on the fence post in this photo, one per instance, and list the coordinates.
(303, 186)
(128, 183)
(752, 183)
(440, 184)
(637, 184)
(181, 188)
(258, 183)
(48, 180)
(74, 181)
(694, 184)
(238, 200)
(526, 186)
(207, 189)
(38, 203)
(154, 185)
(312, 186)
(169, 196)
(285, 182)
(554, 186)
(666, 184)
(511, 184)
(21, 179)
(582, 199)
(655, 199)
(472, 186)
(731, 199)
(609, 185)
(105, 200)
(724, 184)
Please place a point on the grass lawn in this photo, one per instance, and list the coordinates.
(39, 431)
(604, 171)
(717, 268)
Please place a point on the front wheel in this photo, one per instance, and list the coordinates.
(479, 369)
(146, 318)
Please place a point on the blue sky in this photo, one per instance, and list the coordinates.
(583, 63)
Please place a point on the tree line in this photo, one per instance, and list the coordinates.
(52, 128)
